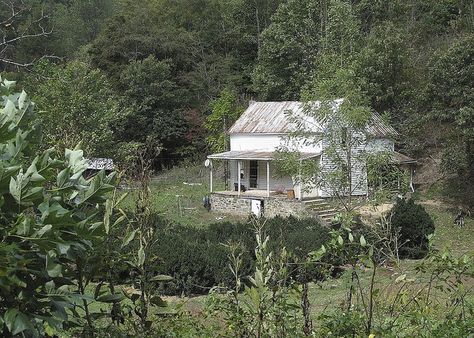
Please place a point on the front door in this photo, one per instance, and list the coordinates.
(253, 174)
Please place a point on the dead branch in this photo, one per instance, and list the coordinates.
(20, 15)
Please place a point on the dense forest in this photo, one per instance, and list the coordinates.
(170, 75)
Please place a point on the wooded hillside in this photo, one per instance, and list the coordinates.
(118, 74)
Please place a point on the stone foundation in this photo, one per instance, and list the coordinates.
(230, 204)
(272, 206)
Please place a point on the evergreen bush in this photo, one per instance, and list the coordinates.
(415, 225)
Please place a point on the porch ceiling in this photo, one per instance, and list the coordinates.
(254, 155)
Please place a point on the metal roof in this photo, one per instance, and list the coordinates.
(96, 163)
(378, 128)
(266, 117)
(402, 159)
(272, 118)
(254, 155)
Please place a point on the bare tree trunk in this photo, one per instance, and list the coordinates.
(257, 21)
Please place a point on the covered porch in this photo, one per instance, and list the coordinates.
(252, 174)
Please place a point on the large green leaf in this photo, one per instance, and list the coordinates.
(16, 321)
(110, 298)
(53, 268)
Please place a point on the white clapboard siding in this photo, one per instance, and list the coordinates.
(380, 144)
(266, 142)
(359, 172)
(276, 183)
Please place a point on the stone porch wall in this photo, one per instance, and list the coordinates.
(272, 206)
(230, 204)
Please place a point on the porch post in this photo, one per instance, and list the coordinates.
(210, 175)
(300, 192)
(268, 178)
(239, 166)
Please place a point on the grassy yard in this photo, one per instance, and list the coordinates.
(331, 293)
(177, 195)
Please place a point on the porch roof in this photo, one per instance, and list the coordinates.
(255, 155)
(400, 158)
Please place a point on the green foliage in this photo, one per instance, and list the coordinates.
(225, 110)
(450, 91)
(289, 47)
(157, 119)
(77, 23)
(198, 259)
(270, 304)
(385, 177)
(341, 324)
(383, 63)
(415, 226)
(50, 217)
(78, 105)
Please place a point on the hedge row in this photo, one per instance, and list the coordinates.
(199, 260)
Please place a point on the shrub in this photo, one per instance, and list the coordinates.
(198, 259)
(415, 225)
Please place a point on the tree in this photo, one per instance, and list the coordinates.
(300, 32)
(451, 99)
(225, 110)
(383, 63)
(77, 23)
(158, 118)
(78, 105)
(22, 22)
(341, 112)
(289, 47)
(50, 217)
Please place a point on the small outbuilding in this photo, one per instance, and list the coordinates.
(96, 164)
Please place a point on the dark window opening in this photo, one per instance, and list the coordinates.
(253, 174)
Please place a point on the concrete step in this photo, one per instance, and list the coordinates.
(315, 202)
(327, 214)
(317, 207)
(319, 204)
(321, 208)
(327, 208)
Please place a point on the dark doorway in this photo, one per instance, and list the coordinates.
(253, 174)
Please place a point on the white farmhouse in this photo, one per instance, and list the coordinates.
(254, 139)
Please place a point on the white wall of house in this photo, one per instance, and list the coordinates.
(380, 144)
(268, 142)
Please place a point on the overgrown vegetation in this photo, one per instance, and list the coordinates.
(174, 65)
(197, 259)
(166, 78)
(51, 221)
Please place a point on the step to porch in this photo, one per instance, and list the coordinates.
(321, 209)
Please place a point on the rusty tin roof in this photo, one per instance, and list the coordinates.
(272, 118)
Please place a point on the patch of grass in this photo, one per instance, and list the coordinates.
(177, 194)
(169, 187)
(448, 235)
